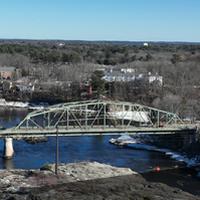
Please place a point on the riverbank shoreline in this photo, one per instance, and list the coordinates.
(84, 180)
(183, 178)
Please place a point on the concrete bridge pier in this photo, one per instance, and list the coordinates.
(8, 148)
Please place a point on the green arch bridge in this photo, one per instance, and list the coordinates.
(97, 117)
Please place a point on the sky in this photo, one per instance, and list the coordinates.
(119, 20)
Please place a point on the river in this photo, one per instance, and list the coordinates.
(167, 152)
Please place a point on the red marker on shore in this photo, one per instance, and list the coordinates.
(157, 169)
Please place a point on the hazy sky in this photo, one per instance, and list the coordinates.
(156, 20)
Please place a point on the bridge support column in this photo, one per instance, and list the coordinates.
(8, 148)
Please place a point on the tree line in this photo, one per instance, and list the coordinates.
(77, 62)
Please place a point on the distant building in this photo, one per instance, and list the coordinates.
(145, 44)
(128, 70)
(120, 75)
(25, 88)
(9, 73)
(129, 74)
(156, 78)
(61, 44)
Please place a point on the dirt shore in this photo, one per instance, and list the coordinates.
(183, 178)
(84, 180)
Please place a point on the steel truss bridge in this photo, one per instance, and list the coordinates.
(96, 117)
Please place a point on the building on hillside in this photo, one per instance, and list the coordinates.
(9, 73)
(127, 75)
(119, 75)
(155, 78)
(25, 88)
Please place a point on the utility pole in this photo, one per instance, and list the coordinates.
(57, 152)
(109, 89)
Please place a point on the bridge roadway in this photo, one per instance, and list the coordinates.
(63, 131)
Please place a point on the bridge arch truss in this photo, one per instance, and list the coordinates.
(97, 114)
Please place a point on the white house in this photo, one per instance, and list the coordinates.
(157, 78)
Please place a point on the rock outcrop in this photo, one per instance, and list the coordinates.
(85, 180)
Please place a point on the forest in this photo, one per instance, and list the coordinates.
(77, 62)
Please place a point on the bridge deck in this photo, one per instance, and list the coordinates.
(62, 131)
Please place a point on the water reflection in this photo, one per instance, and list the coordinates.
(8, 164)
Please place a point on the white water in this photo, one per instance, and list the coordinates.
(172, 154)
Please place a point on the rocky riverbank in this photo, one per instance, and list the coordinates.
(85, 180)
